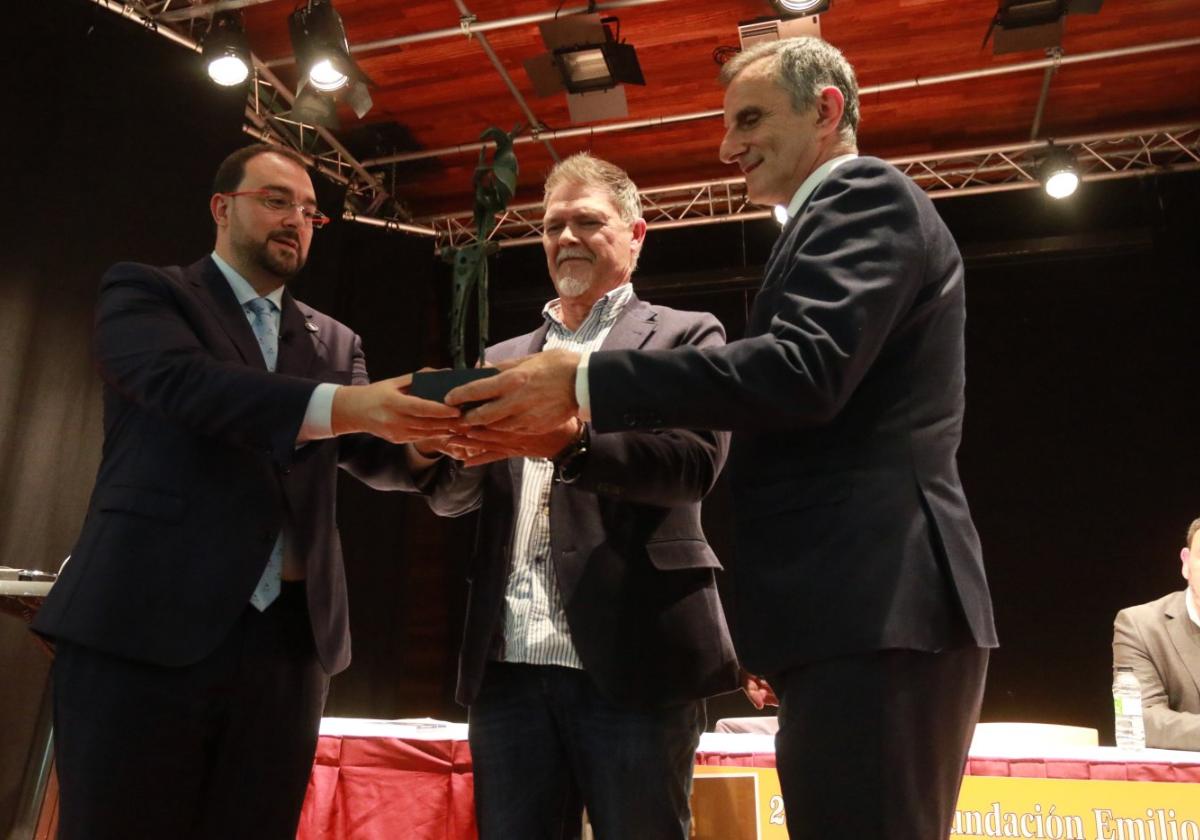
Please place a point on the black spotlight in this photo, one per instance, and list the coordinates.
(225, 51)
(326, 67)
(1059, 172)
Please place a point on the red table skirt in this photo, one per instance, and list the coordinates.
(376, 787)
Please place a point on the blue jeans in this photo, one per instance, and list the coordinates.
(544, 744)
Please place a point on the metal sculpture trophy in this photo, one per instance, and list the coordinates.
(495, 184)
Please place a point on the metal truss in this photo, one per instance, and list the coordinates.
(267, 118)
(967, 172)
(369, 201)
(1098, 157)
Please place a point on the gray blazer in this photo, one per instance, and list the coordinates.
(637, 577)
(1162, 644)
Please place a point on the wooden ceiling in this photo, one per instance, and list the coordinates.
(444, 92)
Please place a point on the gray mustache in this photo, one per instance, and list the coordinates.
(574, 254)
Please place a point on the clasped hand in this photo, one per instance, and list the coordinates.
(529, 411)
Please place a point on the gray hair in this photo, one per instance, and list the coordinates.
(582, 168)
(802, 67)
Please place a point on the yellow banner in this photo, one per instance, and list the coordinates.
(744, 803)
(1071, 809)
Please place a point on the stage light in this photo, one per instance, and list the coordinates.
(325, 76)
(1059, 173)
(600, 67)
(225, 53)
(326, 67)
(1021, 25)
(801, 8)
(587, 60)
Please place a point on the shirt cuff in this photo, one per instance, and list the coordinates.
(318, 418)
(582, 395)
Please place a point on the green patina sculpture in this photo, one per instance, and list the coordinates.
(495, 184)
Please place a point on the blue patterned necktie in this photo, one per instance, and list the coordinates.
(262, 312)
(262, 319)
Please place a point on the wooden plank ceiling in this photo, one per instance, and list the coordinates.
(443, 92)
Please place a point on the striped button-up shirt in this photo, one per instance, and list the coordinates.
(535, 624)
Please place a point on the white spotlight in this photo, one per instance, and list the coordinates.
(325, 76)
(228, 70)
(1059, 174)
(225, 51)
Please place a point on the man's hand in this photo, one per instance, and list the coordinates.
(531, 396)
(492, 445)
(384, 409)
(758, 690)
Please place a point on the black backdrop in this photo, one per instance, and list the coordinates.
(1079, 453)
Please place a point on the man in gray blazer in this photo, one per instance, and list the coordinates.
(593, 628)
(1161, 641)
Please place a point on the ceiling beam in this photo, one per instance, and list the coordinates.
(863, 92)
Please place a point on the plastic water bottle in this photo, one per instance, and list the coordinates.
(1127, 704)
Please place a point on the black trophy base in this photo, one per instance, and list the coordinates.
(435, 384)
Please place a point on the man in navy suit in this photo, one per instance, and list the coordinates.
(859, 584)
(203, 608)
(594, 630)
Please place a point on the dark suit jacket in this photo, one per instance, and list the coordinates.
(636, 574)
(846, 401)
(200, 470)
(1162, 644)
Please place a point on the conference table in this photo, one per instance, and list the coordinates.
(382, 780)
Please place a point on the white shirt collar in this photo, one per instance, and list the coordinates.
(242, 289)
(606, 308)
(813, 181)
(1191, 608)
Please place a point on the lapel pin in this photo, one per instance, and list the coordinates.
(311, 327)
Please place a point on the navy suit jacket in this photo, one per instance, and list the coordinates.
(846, 401)
(637, 577)
(200, 470)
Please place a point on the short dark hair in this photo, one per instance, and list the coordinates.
(1192, 529)
(233, 169)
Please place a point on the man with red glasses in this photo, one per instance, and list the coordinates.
(204, 605)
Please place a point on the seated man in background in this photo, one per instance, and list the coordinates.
(1161, 641)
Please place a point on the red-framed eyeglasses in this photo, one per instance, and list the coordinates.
(279, 203)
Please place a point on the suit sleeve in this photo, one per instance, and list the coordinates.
(834, 302)
(148, 352)
(669, 467)
(1165, 728)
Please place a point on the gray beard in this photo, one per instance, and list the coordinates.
(573, 286)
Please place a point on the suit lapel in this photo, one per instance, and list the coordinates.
(296, 339)
(211, 287)
(1185, 636)
(633, 327)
